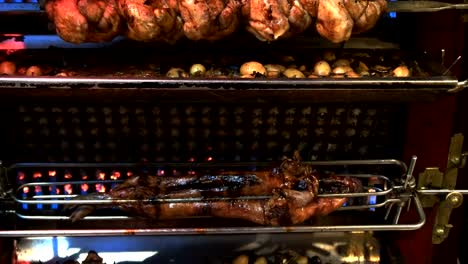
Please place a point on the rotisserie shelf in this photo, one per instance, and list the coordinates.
(42, 189)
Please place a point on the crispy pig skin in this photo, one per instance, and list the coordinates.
(292, 188)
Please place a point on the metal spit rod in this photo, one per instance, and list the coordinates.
(228, 230)
(377, 192)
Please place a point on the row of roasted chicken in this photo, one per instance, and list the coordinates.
(79, 21)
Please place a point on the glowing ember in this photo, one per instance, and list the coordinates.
(21, 176)
(100, 188)
(101, 176)
(84, 187)
(52, 173)
(68, 189)
(26, 189)
(37, 175)
(67, 176)
(115, 175)
(38, 189)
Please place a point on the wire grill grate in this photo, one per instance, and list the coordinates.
(191, 132)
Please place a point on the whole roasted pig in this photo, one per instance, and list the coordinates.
(291, 195)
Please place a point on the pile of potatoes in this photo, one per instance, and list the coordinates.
(327, 66)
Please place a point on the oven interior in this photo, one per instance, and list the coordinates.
(118, 115)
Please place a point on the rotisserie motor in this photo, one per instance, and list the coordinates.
(292, 188)
(79, 21)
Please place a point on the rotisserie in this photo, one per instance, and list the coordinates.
(156, 131)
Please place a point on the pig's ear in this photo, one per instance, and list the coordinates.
(134, 180)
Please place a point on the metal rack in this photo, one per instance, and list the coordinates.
(400, 192)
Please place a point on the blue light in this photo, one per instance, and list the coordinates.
(372, 200)
(392, 14)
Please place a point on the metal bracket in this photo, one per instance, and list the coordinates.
(433, 178)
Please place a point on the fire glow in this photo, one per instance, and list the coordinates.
(84, 186)
(99, 186)
(68, 189)
(115, 176)
(53, 189)
(38, 189)
(21, 176)
(24, 196)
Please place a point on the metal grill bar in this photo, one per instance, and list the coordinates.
(441, 83)
(68, 165)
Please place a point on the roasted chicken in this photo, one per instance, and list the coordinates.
(151, 20)
(80, 21)
(209, 19)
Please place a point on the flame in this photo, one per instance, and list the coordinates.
(21, 176)
(37, 175)
(38, 189)
(67, 176)
(84, 187)
(101, 176)
(115, 175)
(68, 189)
(100, 188)
(26, 190)
(52, 173)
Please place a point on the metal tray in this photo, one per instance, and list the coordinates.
(141, 75)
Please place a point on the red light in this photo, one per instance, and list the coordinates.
(161, 172)
(209, 158)
(192, 159)
(26, 189)
(38, 189)
(52, 173)
(84, 187)
(37, 175)
(21, 176)
(68, 189)
(12, 44)
(115, 175)
(67, 176)
(129, 174)
(84, 177)
(100, 188)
